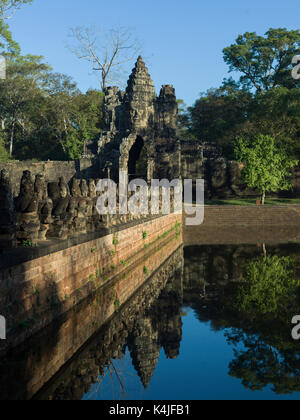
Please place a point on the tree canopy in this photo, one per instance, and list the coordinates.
(267, 166)
(264, 61)
(43, 114)
(264, 99)
(9, 7)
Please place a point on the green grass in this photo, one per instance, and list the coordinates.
(252, 202)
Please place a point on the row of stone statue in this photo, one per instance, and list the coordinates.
(50, 210)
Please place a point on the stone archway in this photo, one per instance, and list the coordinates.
(138, 160)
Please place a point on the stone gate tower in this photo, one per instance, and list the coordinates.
(138, 122)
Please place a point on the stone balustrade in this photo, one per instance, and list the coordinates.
(45, 210)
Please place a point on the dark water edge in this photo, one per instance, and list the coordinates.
(185, 336)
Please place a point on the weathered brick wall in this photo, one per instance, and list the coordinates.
(61, 340)
(34, 293)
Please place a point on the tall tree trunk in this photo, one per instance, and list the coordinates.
(12, 136)
(263, 198)
(103, 81)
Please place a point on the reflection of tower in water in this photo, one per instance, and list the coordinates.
(144, 349)
(160, 327)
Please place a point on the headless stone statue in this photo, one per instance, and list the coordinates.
(75, 189)
(92, 188)
(45, 206)
(27, 201)
(53, 192)
(40, 188)
(84, 188)
(27, 210)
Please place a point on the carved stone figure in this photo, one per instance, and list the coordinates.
(27, 210)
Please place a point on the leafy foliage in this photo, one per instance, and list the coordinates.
(44, 115)
(219, 115)
(265, 99)
(259, 364)
(3, 152)
(8, 7)
(264, 61)
(8, 46)
(267, 166)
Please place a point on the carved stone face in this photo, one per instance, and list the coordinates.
(63, 192)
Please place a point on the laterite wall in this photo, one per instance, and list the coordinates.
(34, 293)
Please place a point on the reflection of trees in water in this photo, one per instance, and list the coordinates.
(269, 297)
(269, 285)
(260, 363)
(114, 381)
(254, 307)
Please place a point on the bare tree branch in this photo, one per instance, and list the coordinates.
(107, 52)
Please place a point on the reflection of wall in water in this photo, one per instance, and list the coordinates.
(216, 265)
(20, 377)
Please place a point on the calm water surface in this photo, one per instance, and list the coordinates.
(218, 327)
(213, 350)
(201, 372)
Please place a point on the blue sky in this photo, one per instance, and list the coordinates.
(182, 40)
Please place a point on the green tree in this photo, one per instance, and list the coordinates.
(264, 61)
(3, 152)
(183, 120)
(267, 166)
(8, 46)
(44, 115)
(219, 115)
(74, 118)
(9, 7)
(89, 107)
(20, 92)
(276, 113)
(7, 10)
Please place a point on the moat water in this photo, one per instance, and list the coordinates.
(219, 328)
